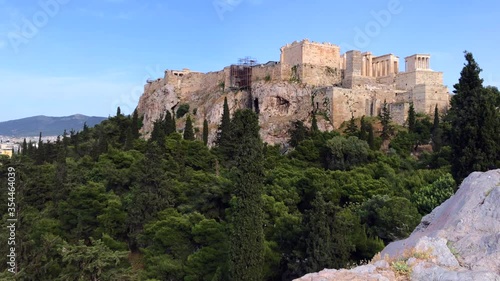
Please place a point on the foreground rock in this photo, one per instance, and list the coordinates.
(459, 240)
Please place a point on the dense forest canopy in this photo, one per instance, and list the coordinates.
(106, 204)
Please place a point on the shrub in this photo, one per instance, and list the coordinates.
(183, 109)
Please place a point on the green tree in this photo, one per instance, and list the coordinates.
(182, 110)
(246, 251)
(158, 133)
(328, 244)
(40, 155)
(363, 129)
(224, 127)
(411, 118)
(475, 125)
(135, 125)
(205, 131)
(169, 124)
(345, 153)
(352, 128)
(437, 132)
(151, 192)
(91, 262)
(24, 149)
(188, 129)
(385, 120)
(390, 218)
(298, 132)
(314, 123)
(371, 137)
(432, 195)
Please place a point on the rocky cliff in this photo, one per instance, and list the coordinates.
(459, 240)
(278, 103)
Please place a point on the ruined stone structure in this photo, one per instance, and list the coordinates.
(338, 85)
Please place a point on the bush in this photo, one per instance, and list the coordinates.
(345, 153)
(390, 218)
(183, 109)
(430, 196)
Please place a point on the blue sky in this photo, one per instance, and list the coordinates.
(61, 57)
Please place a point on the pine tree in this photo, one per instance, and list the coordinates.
(411, 119)
(246, 161)
(188, 129)
(475, 133)
(118, 111)
(205, 132)
(385, 119)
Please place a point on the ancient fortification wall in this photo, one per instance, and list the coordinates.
(268, 72)
(349, 84)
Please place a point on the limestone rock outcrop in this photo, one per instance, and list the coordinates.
(278, 104)
(458, 240)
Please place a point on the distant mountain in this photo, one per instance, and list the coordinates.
(49, 126)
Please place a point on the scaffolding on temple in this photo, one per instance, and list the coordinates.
(241, 74)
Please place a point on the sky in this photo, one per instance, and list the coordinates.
(63, 57)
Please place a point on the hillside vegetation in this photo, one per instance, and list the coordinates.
(105, 204)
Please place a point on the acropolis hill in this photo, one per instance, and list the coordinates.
(310, 77)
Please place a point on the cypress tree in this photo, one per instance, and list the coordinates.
(352, 129)
(174, 123)
(371, 137)
(118, 111)
(363, 129)
(25, 147)
(30, 149)
(435, 124)
(385, 119)
(40, 157)
(328, 245)
(158, 133)
(205, 132)
(298, 132)
(65, 139)
(411, 118)
(437, 132)
(246, 251)
(224, 127)
(475, 127)
(314, 123)
(188, 129)
(169, 124)
(135, 125)
(129, 140)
